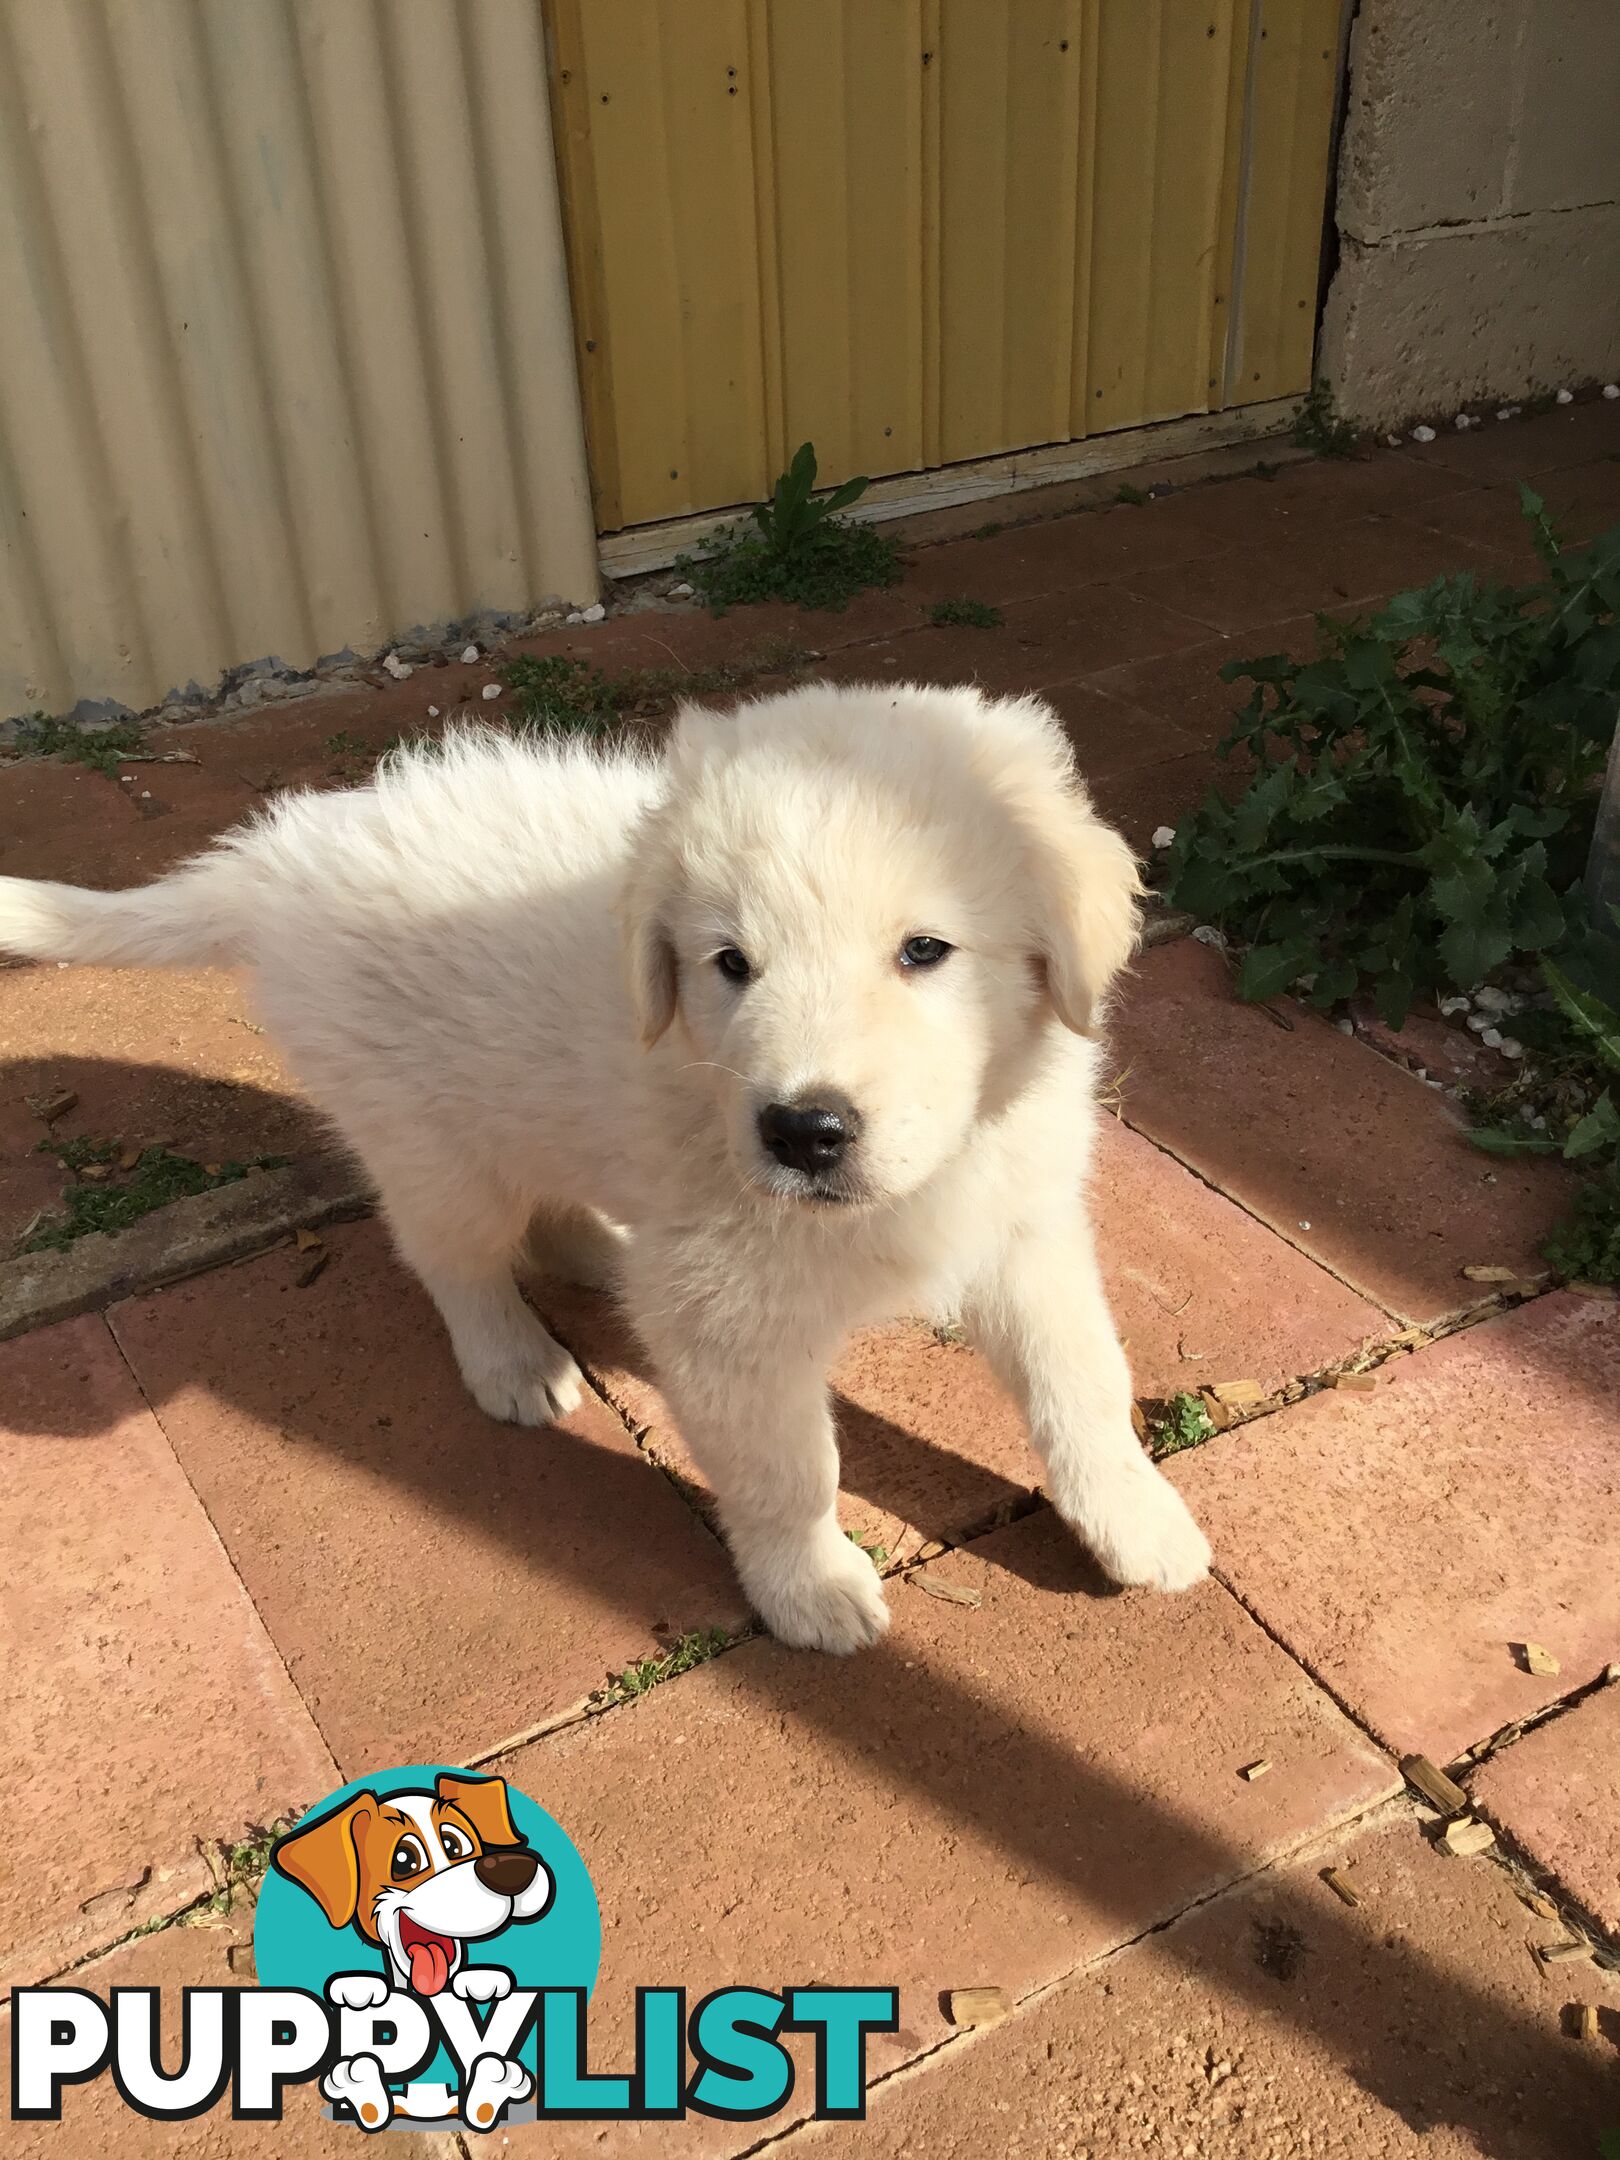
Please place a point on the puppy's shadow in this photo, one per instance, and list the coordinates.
(917, 1479)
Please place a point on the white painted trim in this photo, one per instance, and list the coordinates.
(654, 547)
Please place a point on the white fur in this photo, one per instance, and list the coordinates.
(494, 969)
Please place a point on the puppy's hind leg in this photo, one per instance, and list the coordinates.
(461, 1233)
(577, 1246)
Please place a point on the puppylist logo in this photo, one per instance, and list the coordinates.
(426, 1945)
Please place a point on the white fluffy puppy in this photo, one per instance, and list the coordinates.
(785, 1032)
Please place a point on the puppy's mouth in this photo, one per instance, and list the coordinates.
(428, 1954)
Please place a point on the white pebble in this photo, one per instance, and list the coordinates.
(433, 712)
(395, 666)
(1491, 1037)
(1423, 434)
(1207, 934)
(1165, 836)
(1463, 420)
(1563, 397)
(1345, 1027)
(1489, 999)
(1611, 389)
(64, 963)
(1510, 1046)
(1394, 441)
(683, 591)
(1507, 412)
(1479, 1022)
(1304, 1226)
(1538, 1124)
(595, 613)
(490, 689)
(469, 655)
(146, 794)
(1451, 1006)
(127, 779)
(573, 615)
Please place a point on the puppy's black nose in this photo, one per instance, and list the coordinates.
(507, 1871)
(812, 1137)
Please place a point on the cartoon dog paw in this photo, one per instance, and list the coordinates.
(493, 2086)
(357, 1991)
(359, 2083)
(482, 1983)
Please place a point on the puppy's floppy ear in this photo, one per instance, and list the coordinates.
(1084, 880)
(1088, 886)
(648, 946)
(324, 1858)
(484, 1802)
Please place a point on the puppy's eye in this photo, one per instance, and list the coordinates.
(455, 1845)
(409, 1859)
(923, 952)
(733, 964)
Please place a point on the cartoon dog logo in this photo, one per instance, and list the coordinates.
(418, 1875)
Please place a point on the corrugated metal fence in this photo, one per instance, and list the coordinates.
(923, 231)
(285, 353)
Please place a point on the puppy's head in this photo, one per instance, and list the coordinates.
(420, 1873)
(859, 910)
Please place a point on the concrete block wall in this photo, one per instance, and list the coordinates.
(1478, 205)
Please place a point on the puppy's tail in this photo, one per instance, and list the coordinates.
(184, 920)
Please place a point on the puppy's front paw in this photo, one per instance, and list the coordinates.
(824, 1595)
(357, 1991)
(537, 1385)
(1143, 1533)
(482, 1983)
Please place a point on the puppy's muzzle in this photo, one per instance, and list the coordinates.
(508, 1870)
(812, 1137)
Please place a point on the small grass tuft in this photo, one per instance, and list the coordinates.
(155, 1178)
(102, 751)
(987, 532)
(874, 1552)
(971, 614)
(556, 693)
(1186, 1423)
(1318, 427)
(650, 1672)
(1135, 496)
(798, 549)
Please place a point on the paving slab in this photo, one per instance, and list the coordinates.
(152, 1056)
(933, 1449)
(1556, 1791)
(1405, 1543)
(436, 1582)
(1524, 449)
(147, 1714)
(1274, 2024)
(95, 2120)
(1326, 564)
(1341, 1152)
(995, 1793)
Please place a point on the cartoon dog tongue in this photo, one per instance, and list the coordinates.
(430, 1963)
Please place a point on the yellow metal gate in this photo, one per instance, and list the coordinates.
(921, 231)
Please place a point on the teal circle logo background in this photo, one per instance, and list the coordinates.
(294, 1945)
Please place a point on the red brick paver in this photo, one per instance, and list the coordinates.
(1273, 2025)
(995, 1793)
(1557, 1792)
(437, 1583)
(1342, 1153)
(147, 1713)
(1406, 1543)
